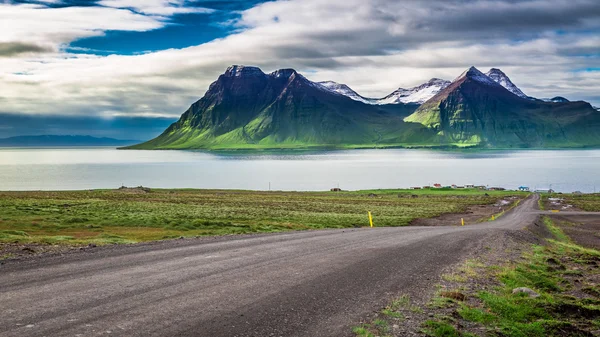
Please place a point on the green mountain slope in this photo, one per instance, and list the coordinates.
(475, 110)
(246, 108)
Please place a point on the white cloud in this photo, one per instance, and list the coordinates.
(156, 7)
(52, 27)
(373, 46)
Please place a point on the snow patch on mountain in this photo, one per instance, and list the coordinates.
(419, 94)
(474, 74)
(500, 77)
(345, 90)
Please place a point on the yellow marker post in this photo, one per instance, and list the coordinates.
(462, 221)
(555, 211)
(493, 217)
(370, 219)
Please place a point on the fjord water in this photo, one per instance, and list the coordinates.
(92, 168)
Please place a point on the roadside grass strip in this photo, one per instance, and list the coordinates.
(560, 274)
(551, 291)
(513, 205)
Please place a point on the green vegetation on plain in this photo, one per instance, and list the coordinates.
(586, 202)
(561, 273)
(137, 215)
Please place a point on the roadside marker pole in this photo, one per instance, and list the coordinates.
(462, 221)
(493, 217)
(370, 219)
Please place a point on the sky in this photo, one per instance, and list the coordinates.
(81, 63)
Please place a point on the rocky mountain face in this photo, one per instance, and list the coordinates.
(246, 108)
(500, 77)
(475, 109)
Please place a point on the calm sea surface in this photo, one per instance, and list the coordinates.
(88, 168)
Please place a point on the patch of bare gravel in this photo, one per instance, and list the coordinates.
(26, 250)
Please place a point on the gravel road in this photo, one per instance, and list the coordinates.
(313, 283)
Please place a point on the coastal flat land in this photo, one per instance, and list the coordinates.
(308, 283)
(132, 215)
(301, 283)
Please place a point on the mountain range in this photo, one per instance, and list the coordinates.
(246, 108)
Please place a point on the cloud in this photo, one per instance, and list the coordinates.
(17, 48)
(51, 27)
(156, 7)
(374, 46)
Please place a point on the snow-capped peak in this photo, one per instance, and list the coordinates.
(500, 77)
(474, 74)
(345, 90)
(418, 94)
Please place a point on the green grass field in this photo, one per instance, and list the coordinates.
(586, 202)
(127, 216)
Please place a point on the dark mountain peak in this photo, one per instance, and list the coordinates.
(496, 71)
(559, 99)
(240, 71)
(436, 80)
(476, 75)
(284, 73)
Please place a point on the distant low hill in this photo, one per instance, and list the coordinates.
(52, 140)
(246, 108)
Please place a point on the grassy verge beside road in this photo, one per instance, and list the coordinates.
(584, 202)
(139, 214)
(559, 293)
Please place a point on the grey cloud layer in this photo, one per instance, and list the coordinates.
(16, 48)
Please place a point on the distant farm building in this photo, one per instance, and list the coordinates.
(523, 188)
(469, 186)
(415, 188)
(437, 185)
(497, 189)
(426, 187)
(336, 189)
